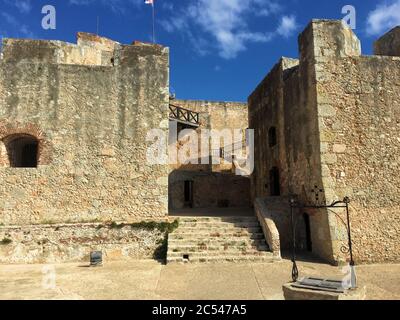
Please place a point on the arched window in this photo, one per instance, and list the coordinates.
(272, 140)
(274, 182)
(22, 150)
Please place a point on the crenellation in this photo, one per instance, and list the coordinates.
(90, 50)
(328, 38)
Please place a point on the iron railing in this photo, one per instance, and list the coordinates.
(185, 116)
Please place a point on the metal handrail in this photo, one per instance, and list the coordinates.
(181, 114)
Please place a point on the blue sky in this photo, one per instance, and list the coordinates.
(220, 49)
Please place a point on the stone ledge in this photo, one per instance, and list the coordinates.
(293, 293)
(73, 243)
(269, 228)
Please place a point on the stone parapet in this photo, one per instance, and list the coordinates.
(61, 243)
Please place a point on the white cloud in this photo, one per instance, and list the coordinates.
(225, 21)
(9, 19)
(268, 8)
(118, 6)
(169, 6)
(383, 18)
(287, 26)
(18, 29)
(23, 6)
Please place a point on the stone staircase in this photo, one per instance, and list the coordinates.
(218, 239)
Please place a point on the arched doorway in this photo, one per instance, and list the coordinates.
(22, 150)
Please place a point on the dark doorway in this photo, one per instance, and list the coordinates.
(188, 190)
(22, 151)
(274, 182)
(307, 224)
(272, 140)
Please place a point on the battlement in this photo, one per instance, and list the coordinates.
(90, 50)
(328, 38)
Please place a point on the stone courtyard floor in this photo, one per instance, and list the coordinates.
(152, 280)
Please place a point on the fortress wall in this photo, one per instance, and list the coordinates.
(362, 144)
(218, 114)
(388, 44)
(213, 185)
(91, 123)
(337, 118)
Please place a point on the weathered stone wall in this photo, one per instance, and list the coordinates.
(388, 44)
(286, 100)
(210, 189)
(216, 115)
(215, 185)
(89, 50)
(338, 136)
(74, 242)
(266, 110)
(91, 123)
(363, 148)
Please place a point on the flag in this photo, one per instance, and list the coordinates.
(152, 5)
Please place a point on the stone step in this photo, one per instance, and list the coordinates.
(218, 219)
(209, 231)
(246, 224)
(217, 236)
(218, 239)
(231, 253)
(223, 259)
(217, 242)
(219, 248)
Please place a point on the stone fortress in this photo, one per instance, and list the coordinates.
(74, 120)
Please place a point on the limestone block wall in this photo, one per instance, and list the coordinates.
(217, 115)
(287, 100)
(213, 185)
(388, 44)
(89, 50)
(210, 190)
(266, 111)
(339, 113)
(73, 243)
(362, 149)
(91, 123)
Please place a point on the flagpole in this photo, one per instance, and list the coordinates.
(154, 29)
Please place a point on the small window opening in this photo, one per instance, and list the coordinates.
(274, 182)
(307, 224)
(272, 137)
(22, 151)
(188, 193)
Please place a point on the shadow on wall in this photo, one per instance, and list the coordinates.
(188, 189)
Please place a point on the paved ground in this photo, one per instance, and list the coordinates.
(152, 280)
